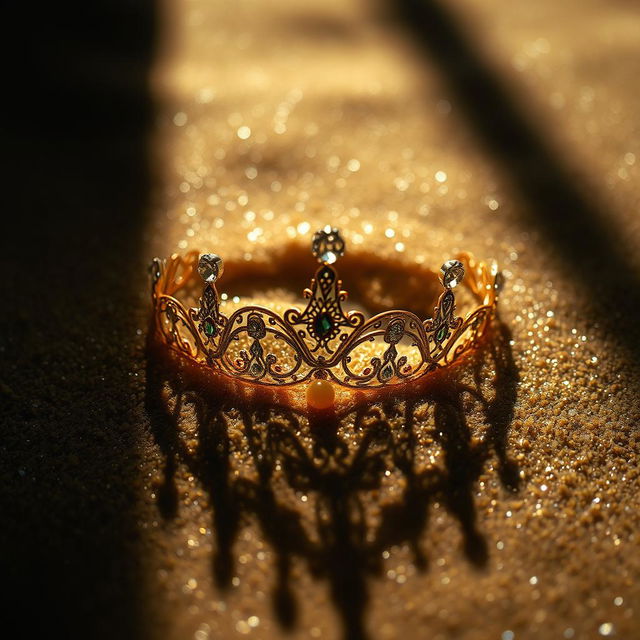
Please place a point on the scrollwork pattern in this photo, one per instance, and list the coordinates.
(258, 345)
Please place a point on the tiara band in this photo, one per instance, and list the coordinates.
(321, 344)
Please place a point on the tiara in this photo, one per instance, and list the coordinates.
(321, 345)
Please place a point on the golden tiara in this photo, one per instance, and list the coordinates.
(322, 343)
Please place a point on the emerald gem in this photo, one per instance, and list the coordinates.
(441, 334)
(322, 325)
(209, 328)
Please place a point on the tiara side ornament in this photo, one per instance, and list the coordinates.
(321, 345)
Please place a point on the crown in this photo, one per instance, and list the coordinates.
(322, 343)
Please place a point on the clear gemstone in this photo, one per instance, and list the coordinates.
(210, 267)
(328, 257)
(327, 245)
(452, 273)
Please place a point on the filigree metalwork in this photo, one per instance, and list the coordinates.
(258, 345)
(327, 245)
(323, 320)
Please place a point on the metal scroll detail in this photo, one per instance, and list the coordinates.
(444, 320)
(322, 341)
(323, 321)
(211, 322)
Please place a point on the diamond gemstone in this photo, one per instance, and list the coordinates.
(452, 273)
(327, 244)
(210, 267)
(328, 257)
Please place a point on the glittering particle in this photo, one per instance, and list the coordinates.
(533, 580)
(618, 601)
(441, 176)
(180, 119)
(333, 163)
(244, 132)
(390, 233)
(508, 635)
(205, 95)
(190, 585)
(253, 621)
(606, 629)
(353, 165)
(242, 626)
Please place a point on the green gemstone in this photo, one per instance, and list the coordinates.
(209, 328)
(322, 325)
(441, 334)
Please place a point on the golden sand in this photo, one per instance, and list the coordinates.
(500, 501)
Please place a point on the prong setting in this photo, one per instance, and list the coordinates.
(328, 245)
(451, 274)
(210, 267)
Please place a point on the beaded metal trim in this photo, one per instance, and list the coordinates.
(258, 345)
